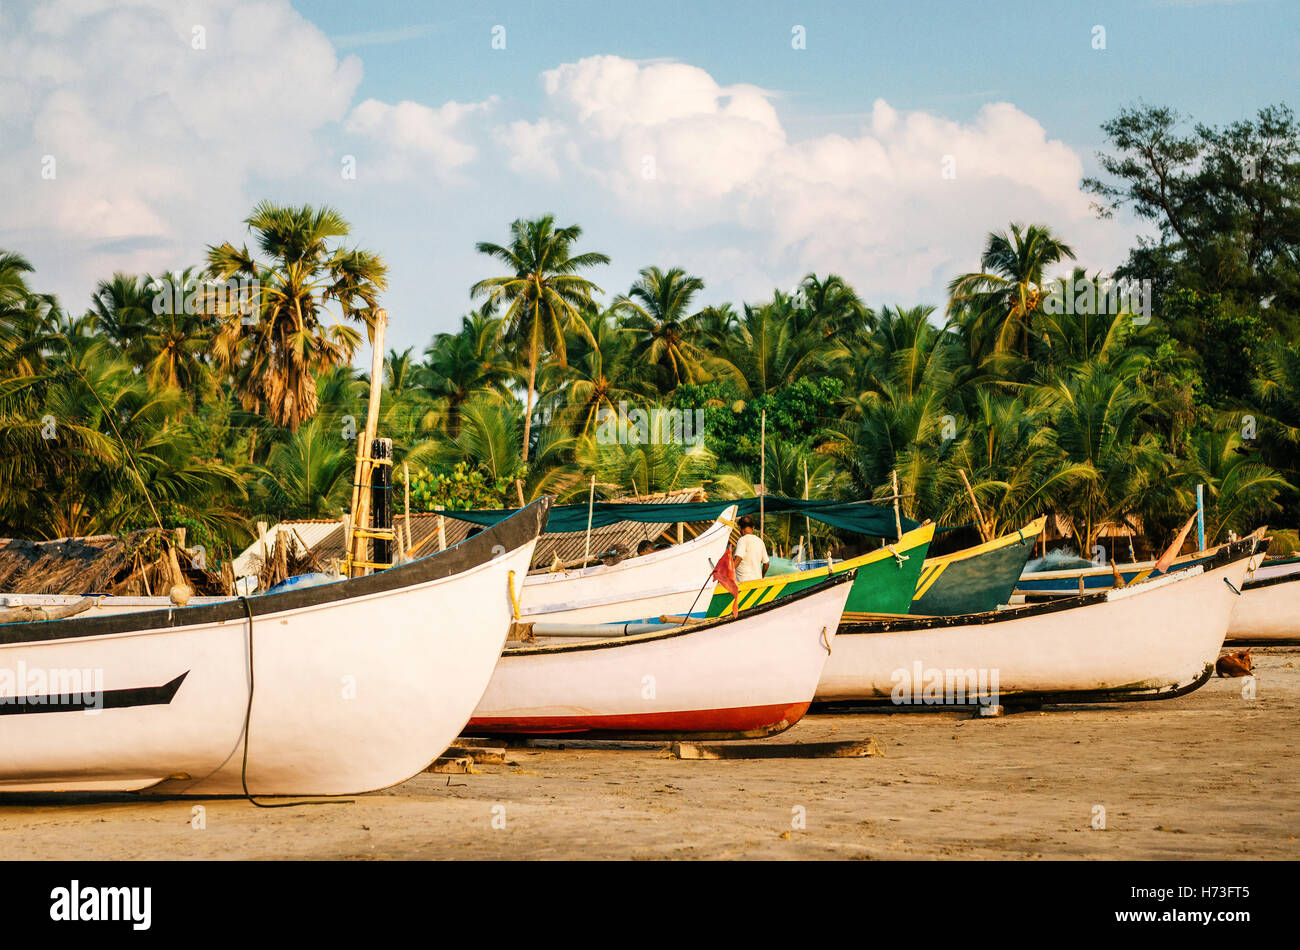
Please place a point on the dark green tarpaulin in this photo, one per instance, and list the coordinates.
(861, 517)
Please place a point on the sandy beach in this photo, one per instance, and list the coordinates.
(1209, 775)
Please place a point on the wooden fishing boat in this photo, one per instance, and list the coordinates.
(750, 676)
(975, 579)
(1043, 584)
(667, 581)
(336, 689)
(1269, 608)
(1154, 639)
(885, 584)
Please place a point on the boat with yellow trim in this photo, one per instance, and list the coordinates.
(885, 583)
(976, 579)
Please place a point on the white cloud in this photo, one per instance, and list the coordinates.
(680, 151)
(413, 140)
(154, 141)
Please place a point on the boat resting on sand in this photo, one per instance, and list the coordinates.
(1268, 610)
(744, 677)
(885, 584)
(1154, 639)
(975, 579)
(336, 689)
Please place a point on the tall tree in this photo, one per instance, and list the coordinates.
(305, 271)
(658, 315)
(542, 294)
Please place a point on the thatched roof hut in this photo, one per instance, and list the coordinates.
(132, 564)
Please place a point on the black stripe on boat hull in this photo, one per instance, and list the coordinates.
(109, 699)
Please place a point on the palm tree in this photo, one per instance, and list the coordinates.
(543, 292)
(600, 372)
(1001, 299)
(308, 475)
(657, 310)
(275, 359)
(456, 365)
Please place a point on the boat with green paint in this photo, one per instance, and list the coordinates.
(977, 579)
(885, 583)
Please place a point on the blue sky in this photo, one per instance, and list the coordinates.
(764, 161)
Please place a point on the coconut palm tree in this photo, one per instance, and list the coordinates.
(309, 474)
(1001, 300)
(456, 365)
(657, 313)
(274, 361)
(542, 295)
(600, 372)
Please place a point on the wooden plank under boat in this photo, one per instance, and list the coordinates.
(978, 578)
(666, 581)
(886, 579)
(336, 689)
(746, 677)
(1153, 639)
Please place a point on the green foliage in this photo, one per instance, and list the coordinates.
(463, 488)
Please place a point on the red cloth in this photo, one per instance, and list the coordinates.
(724, 573)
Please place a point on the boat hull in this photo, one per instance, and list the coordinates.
(1156, 635)
(725, 679)
(885, 582)
(976, 579)
(351, 688)
(1268, 610)
(638, 588)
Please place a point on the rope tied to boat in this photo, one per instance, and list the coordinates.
(826, 642)
(514, 598)
(248, 715)
(898, 557)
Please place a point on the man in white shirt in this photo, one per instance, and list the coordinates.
(751, 554)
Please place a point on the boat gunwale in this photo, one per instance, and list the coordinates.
(847, 566)
(1031, 530)
(542, 575)
(683, 629)
(1228, 553)
(510, 533)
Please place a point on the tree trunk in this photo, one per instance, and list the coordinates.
(532, 378)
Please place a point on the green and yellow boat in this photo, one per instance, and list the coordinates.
(977, 579)
(886, 581)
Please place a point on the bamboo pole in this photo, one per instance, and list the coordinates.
(361, 478)
(406, 478)
(591, 507)
(807, 523)
(979, 514)
(898, 516)
(762, 471)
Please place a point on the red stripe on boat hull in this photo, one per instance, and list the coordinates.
(738, 722)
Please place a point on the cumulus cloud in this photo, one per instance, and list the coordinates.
(410, 140)
(899, 204)
(132, 131)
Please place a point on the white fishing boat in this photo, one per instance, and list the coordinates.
(1150, 640)
(336, 689)
(1268, 610)
(750, 676)
(665, 582)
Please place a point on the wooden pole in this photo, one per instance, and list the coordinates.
(361, 479)
(979, 514)
(762, 470)
(898, 518)
(591, 507)
(406, 478)
(807, 523)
